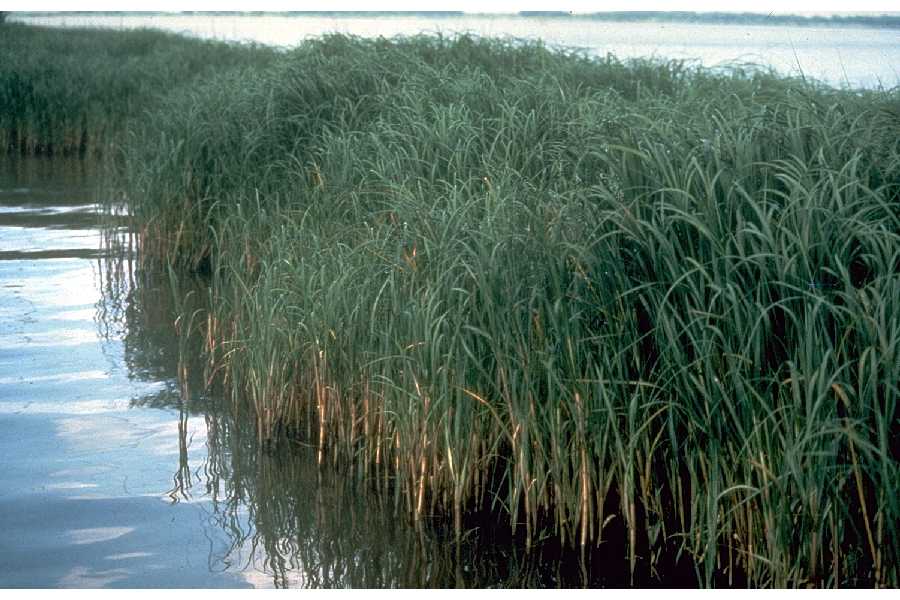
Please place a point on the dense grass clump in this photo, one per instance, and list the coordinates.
(69, 91)
(610, 301)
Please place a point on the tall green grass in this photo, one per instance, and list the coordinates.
(343, 534)
(601, 298)
(626, 304)
(69, 91)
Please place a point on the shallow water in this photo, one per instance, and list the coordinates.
(86, 472)
(839, 56)
(117, 475)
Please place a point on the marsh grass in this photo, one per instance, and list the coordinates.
(621, 304)
(69, 91)
(599, 298)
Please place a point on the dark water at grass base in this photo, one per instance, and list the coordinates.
(111, 477)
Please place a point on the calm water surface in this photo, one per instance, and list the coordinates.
(87, 495)
(114, 474)
(854, 56)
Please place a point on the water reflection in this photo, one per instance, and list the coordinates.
(82, 491)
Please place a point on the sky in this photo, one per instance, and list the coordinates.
(758, 6)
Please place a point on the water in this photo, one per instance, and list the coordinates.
(114, 474)
(840, 56)
(87, 475)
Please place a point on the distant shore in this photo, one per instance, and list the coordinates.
(878, 20)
